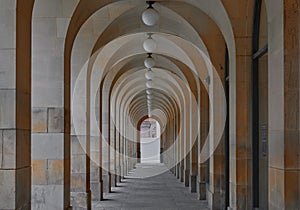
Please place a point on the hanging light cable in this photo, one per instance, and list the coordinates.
(150, 16)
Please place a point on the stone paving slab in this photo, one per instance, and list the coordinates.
(161, 192)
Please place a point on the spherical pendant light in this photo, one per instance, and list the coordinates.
(150, 16)
(149, 74)
(149, 45)
(149, 92)
(149, 84)
(149, 62)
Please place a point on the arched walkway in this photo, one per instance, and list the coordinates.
(78, 78)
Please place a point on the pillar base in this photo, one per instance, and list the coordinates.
(96, 190)
(113, 180)
(105, 184)
(201, 190)
(119, 177)
(193, 183)
(187, 177)
(81, 200)
(109, 180)
(181, 174)
(173, 170)
(215, 200)
(101, 190)
(177, 171)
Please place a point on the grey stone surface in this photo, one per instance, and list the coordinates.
(96, 188)
(80, 200)
(160, 192)
(7, 28)
(193, 183)
(7, 109)
(39, 120)
(47, 146)
(47, 197)
(78, 163)
(9, 149)
(7, 68)
(55, 120)
(14, 142)
(77, 145)
(7, 186)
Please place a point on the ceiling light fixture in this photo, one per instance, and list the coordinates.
(149, 44)
(149, 74)
(149, 84)
(150, 16)
(149, 61)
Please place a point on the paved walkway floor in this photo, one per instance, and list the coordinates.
(161, 192)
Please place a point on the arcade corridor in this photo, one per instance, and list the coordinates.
(199, 97)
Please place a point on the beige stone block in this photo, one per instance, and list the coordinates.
(39, 120)
(276, 188)
(39, 172)
(78, 163)
(55, 172)
(78, 182)
(276, 149)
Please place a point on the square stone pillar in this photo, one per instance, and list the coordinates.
(284, 144)
(204, 127)
(15, 105)
(194, 140)
(240, 106)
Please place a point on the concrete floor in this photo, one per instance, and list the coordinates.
(162, 192)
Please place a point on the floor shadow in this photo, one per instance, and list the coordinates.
(108, 199)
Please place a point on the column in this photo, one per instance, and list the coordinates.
(284, 145)
(204, 127)
(15, 105)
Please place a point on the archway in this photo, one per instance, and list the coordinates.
(150, 141)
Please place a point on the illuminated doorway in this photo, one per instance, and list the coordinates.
(150, 141)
